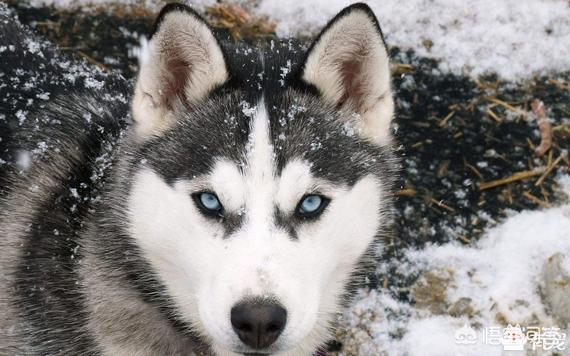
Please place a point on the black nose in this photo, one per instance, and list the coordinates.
(258, 324)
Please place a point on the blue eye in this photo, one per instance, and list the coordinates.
(312, 205)
(208, 203)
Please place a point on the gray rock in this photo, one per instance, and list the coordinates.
(555, 289)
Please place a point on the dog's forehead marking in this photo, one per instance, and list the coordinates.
(260, 181)
(255, 189)
(260, 153)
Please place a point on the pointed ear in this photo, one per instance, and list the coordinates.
(181, 64)
(348, 63)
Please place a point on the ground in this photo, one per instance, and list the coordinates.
(483, 225)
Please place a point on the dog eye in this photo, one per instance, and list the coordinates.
(312, 206)
(209, 203)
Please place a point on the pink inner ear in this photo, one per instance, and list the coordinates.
(174, 79)
(353, 82)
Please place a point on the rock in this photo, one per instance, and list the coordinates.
(430, 290)
(462, 307)
(555, 289)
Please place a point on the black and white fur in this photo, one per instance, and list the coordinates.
(126, 263)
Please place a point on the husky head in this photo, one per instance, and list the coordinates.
(259, 178)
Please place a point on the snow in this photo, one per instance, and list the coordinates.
(498, 279)
(24, 160)
(436, 336)
(516, 39)
(526, 239)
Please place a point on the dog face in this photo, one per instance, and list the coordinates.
(262, 178)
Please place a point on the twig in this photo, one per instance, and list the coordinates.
(561, 85)
(473, 169)
(407, 192)
(93, 61)
(464, 239)
(544, 127)
(239, 22)
(515, 177)
(545, 194)
(549, 158)
(507, 105)
(536, 200)
(442, 205)
(548, 170)
(444, 121)
(400, 68)
(530, 144)
(494, 116)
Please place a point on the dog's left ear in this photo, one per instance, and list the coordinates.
(348, 63)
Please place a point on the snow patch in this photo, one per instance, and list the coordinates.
(494, 282)
(23, 160)
(513, 38)
(516, 39)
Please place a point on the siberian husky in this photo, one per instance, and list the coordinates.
(228, 207)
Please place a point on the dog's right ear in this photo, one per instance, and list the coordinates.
(349, 64)
(181, 64)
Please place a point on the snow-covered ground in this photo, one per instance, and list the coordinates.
(513, 38)
(517, 273)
